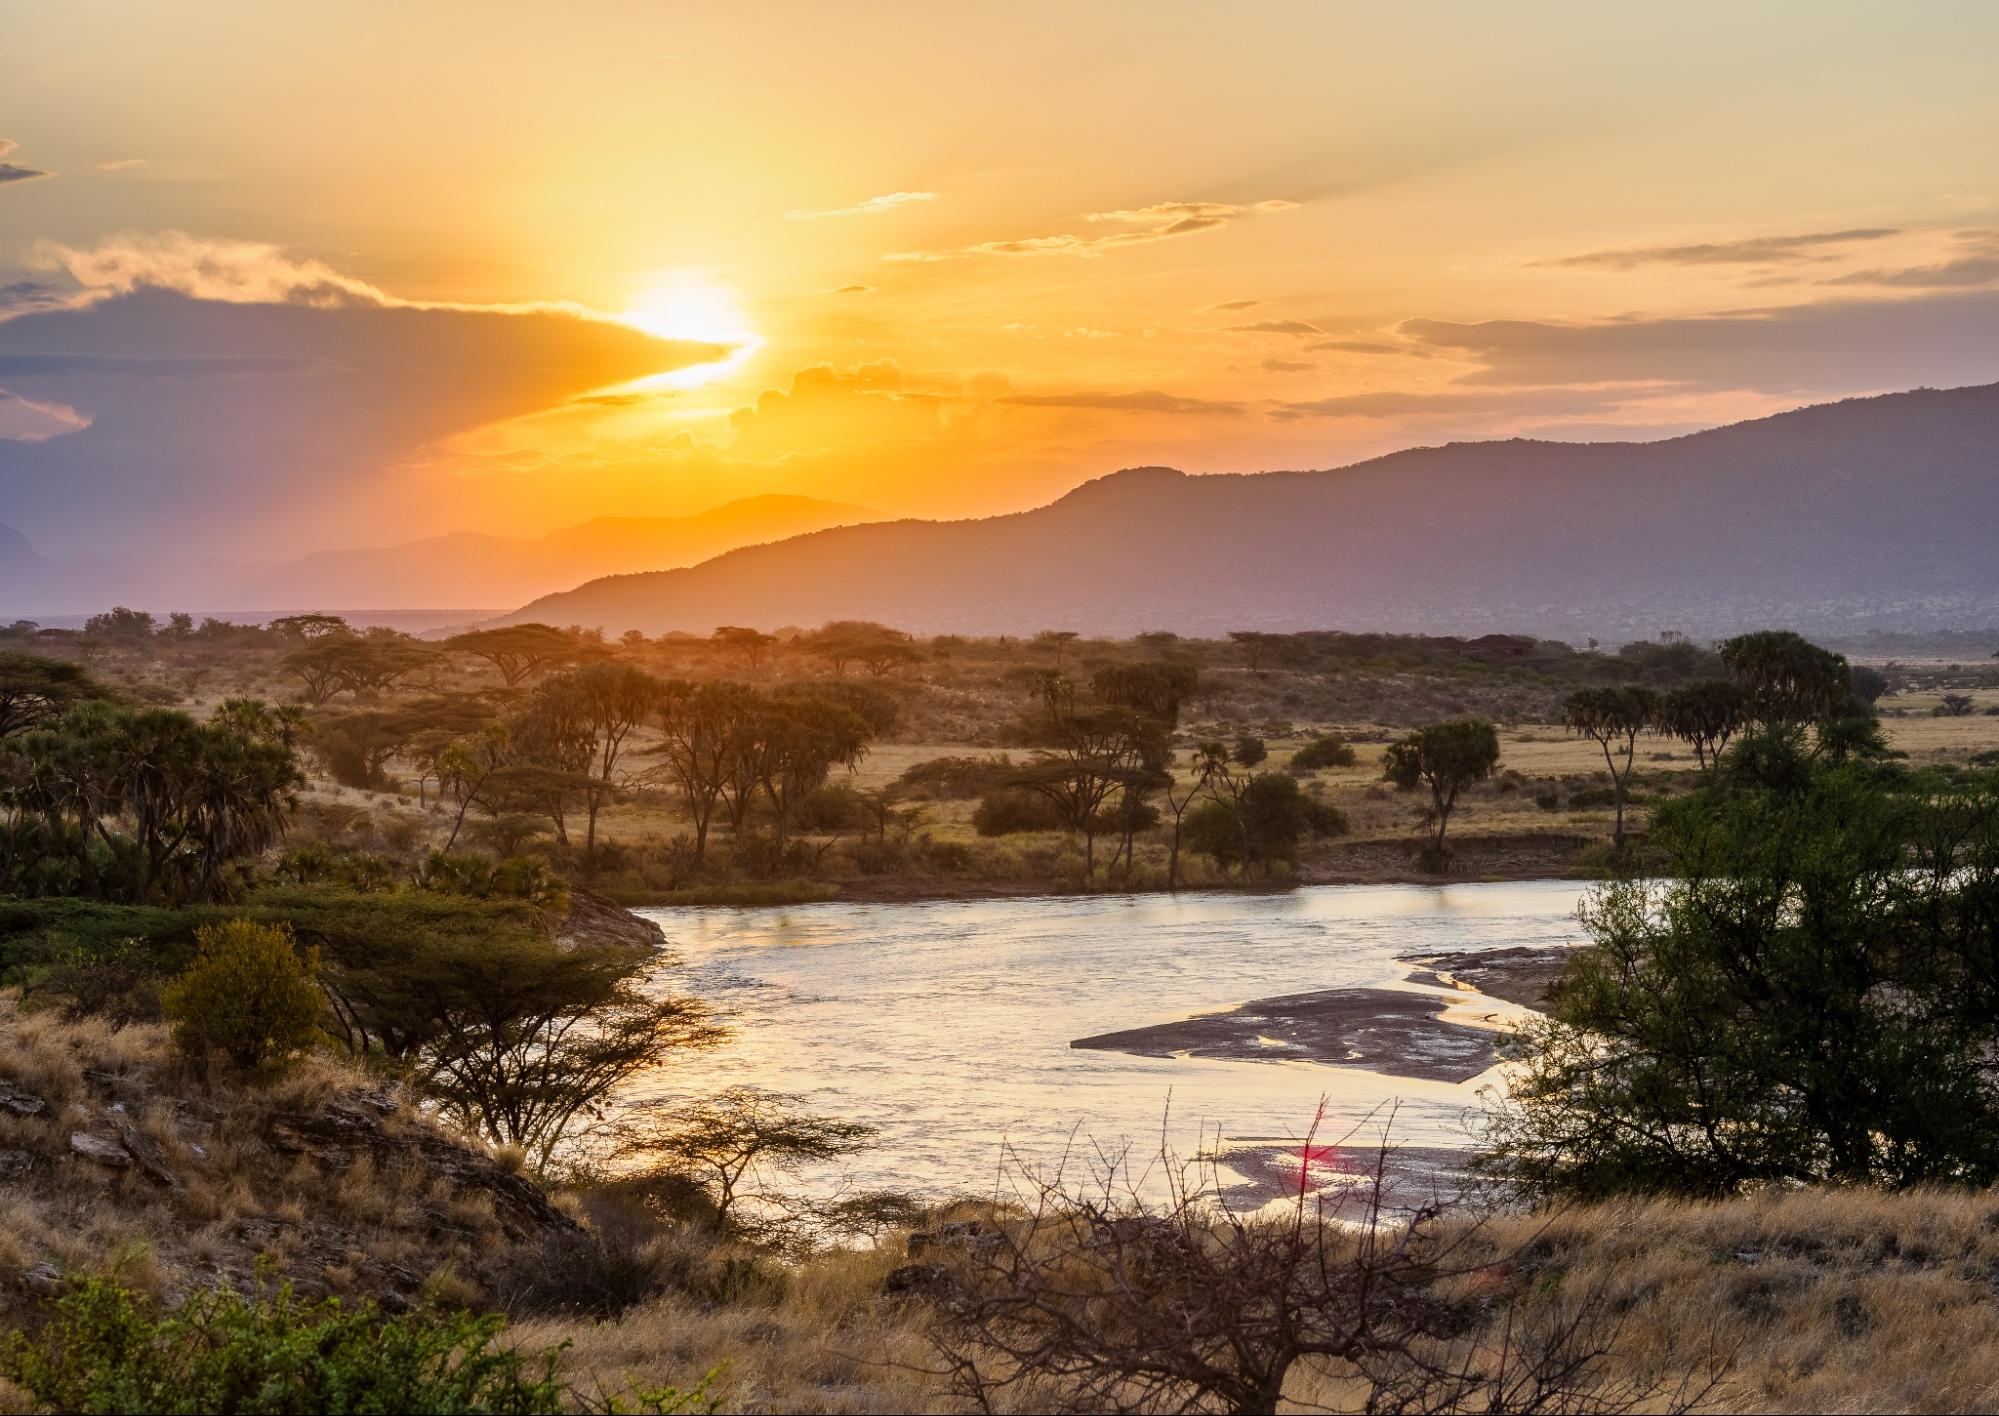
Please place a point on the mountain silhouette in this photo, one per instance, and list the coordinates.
(1871, 513)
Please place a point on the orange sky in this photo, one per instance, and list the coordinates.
(956, 258)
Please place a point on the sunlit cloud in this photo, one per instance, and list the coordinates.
(1752, 250)
(1162, 221)
(1293, 327)
(1149, 400)
(873, 206)
(855, 290)
(121, 164)
(1232, 305)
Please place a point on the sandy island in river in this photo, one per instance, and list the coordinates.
(1400, 1033)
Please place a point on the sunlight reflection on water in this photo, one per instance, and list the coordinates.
(947, 1024)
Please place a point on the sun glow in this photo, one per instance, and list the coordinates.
(690, 306)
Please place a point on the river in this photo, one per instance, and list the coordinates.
(947, 1025)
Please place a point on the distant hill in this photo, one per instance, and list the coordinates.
(436, 572)
(1874, 513)
(468, 568)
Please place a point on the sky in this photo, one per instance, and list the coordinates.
(282, 278)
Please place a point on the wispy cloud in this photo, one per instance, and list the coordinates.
(1293, 327)
(1287, 366)
(1367, 346)
(873, 206)
(1150, 400)
(1232, 305)
(231, 272)
(121, 164)
(1162, 221)
(1751, 250)
(1974, 262)
(855, 290)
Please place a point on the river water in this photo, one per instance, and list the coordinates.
(947, 1024)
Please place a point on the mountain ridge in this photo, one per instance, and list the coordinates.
(1864, 513)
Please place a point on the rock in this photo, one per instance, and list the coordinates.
(970, 1233)
(917, 1278)
(392, 1302)
(142, 1150)
(101, 1149)
(594, 922)
(15, 1163)
(43, 1280)
(21, 1103)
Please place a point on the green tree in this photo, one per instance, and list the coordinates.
(1808, 996)
(35, 688)
(249, 994)
(1704, 714)
(1446, 757)
(1261, 827)
(1613, 718)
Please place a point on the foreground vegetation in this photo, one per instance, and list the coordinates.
(288, 1122)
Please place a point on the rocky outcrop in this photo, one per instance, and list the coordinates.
(595, 922)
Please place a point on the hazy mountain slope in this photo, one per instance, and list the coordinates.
(1868, 513)
(468, 568)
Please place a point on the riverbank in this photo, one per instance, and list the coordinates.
(1482, 859)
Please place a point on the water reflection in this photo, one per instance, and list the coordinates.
(947, 1024)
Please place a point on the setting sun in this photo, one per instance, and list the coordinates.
(692, 307)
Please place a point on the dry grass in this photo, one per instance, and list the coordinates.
(231, 1198)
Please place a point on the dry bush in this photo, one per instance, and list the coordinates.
(1085, 1297)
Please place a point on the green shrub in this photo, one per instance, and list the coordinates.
(1013, 810)
(1332, 750)
(248, 994)
(104, 1349)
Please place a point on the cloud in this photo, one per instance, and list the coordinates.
(29, 421)
(1752, 250)
(1142, 401)
(1232, 305)
(1162, 221)
(855, 290)
(222, 423)
(1366, 346)
(1830, 347)
(1975, 264)
(1400, 403)
(1286, 366)
(11, 172)
(24, 297)
(873, 206)
(1296, 327)
(121, 164)
(237, 272)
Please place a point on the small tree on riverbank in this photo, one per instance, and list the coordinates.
(1445, 757)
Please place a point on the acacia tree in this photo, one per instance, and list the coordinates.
(1613, 718)
(603, 702)
(735, 1140)
(751, 645)
(35, 688)
(1704, 715)
(1446, 757)
(1091, 751)
(518, 651)
(1211, 761)
(704, 730)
